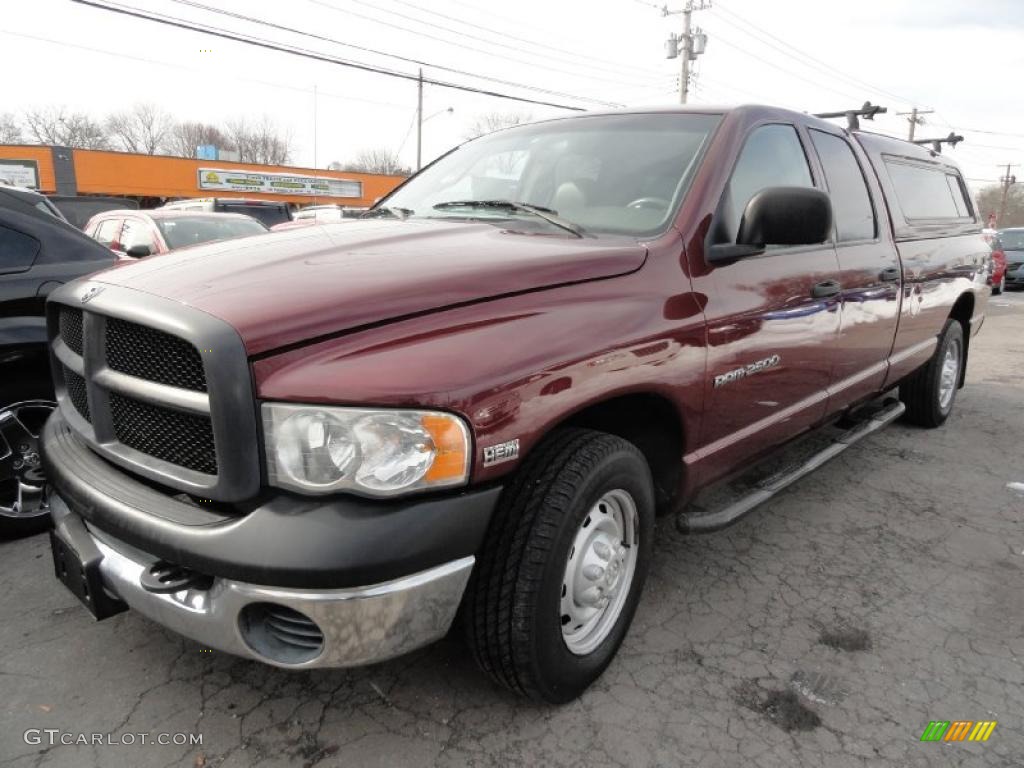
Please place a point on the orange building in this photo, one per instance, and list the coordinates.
(66, 171)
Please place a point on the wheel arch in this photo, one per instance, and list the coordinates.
(962, 312)
(652, 423)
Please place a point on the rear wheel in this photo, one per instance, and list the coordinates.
(929, 392)
(1000, 287)
(562, 567)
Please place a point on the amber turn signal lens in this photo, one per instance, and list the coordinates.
(451, 460)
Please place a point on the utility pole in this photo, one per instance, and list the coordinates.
(691, 44)
(419, 121)
(915, 119)
(1007, 181)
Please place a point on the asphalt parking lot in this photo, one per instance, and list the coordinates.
(827, 629)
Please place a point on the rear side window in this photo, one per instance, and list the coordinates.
(851, 201)
(926, 192)
(771, 157)
(17, 250)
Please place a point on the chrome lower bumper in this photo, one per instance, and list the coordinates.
(360, 625)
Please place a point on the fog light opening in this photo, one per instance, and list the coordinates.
(280, 634)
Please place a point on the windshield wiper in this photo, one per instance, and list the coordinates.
(388, 210)
(549, 215)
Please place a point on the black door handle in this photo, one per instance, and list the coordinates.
(889, 275)
(825, 289)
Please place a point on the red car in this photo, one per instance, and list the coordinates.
(134, 234)
(320, 447)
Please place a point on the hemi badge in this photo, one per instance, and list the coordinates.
(496, 454)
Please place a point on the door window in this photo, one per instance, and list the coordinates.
(851, 202)
(17, 250)
(137, 232)
(108, 232)
(771, 157)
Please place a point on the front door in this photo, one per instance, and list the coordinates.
(773, 319)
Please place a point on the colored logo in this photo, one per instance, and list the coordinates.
(958, 730)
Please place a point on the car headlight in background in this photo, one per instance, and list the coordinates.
(318, 449)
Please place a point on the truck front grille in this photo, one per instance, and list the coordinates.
(157, 387)
(175, 437)
(153, 355)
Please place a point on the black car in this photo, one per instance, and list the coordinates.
(39, 251)
(1011, 242)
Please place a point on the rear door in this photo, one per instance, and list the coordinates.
(869, 272)
(770, 339)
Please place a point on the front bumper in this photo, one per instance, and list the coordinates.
(368, 580)
(350, 627)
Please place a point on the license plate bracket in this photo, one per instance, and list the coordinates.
(76, 563)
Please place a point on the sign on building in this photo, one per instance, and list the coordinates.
(281, 183)
(20, 173)
(207, 152)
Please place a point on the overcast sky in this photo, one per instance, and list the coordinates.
(964, 60)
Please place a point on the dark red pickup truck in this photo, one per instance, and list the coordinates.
(316, 447)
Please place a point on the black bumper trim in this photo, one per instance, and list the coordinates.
(286, 541)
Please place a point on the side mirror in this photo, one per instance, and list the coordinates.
(779, 216)
(139, 250)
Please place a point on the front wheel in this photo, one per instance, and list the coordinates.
(563, 565)
(23, 505)
(929, 392)
(1000, 287)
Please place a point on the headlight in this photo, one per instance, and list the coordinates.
(315, 449)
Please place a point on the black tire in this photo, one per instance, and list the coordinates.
(34, 386)
(511, 612)
(921, 391)
(1000, 287)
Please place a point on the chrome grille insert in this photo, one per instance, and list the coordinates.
(76, 391)
(71, 328)
(175, 437)
(153, 355)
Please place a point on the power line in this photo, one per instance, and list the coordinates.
(599, 64)
(781, 68)
(422, 34)
(185, 67)
(313, 35)
(261, 43)
(794, 50)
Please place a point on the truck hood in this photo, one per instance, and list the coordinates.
(286, 287)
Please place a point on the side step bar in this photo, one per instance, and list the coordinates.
(706, 522)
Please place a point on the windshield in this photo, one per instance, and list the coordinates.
(268, 214)
(623, 174)
(182, 231)
(1012, 239)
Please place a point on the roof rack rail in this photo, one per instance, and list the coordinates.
(867, 111)
(953, 139)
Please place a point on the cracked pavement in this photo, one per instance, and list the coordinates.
(826, 629)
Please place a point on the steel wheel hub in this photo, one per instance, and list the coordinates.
(599, 572)
(949, 375)
(22, 483)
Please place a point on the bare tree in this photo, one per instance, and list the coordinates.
(489, 122)
(57, 125)
(375, 160)
(145, 128)
(990, 199)
(183, 138)
(10, 129)
(260, 142)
